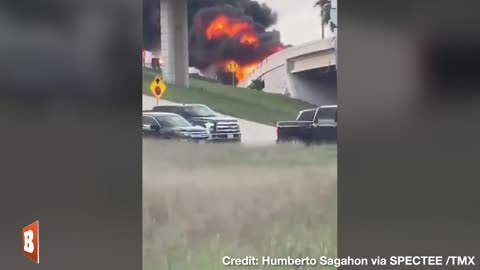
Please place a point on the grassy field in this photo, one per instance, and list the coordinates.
(203, 202)
(243, 103)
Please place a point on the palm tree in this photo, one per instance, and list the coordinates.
(325, 7)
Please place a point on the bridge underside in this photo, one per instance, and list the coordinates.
(317, 86)
(306, 72)
(311, 61)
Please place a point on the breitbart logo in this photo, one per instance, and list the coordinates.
(30, 242)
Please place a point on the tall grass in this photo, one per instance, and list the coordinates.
(203, 202)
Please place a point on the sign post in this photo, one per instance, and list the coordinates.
(158, 88)
(232, 67)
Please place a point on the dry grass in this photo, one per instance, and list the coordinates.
(203, 202)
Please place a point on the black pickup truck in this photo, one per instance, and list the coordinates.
(221, 127)
(317, 125)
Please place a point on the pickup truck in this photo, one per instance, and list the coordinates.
(312, 126)
(222, 128)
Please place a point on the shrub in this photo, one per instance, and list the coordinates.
(257, 84)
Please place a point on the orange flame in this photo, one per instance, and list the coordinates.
(249, 39)
(243, 71)
(224, 26)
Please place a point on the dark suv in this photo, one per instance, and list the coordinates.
(221, 127)
(172, 126)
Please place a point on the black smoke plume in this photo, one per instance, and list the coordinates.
(151, 24)
(259, 13)
(203, 52)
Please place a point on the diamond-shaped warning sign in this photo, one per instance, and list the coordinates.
(232, 66)
(158, 87)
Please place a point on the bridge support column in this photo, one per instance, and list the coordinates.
(174, 37)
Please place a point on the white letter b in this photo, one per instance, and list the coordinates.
(28, 236)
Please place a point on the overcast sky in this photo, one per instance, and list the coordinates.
(298, 21)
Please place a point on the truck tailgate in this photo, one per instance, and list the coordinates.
(288, 130)
(286, 124)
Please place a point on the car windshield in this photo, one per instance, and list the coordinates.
(199, 110)
(172, 120)
(327, 113)
(306, 115)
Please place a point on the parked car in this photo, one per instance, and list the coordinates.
(317, 125)
(221, 127)
(172, 126)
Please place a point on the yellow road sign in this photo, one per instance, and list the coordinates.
(158, 87)
(232, 67)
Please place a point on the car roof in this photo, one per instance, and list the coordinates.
(157, 113)
(314, 109)
(308, 110)
(328, 106)
(180, 105)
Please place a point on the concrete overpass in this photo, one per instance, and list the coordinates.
(306, 72)
(174, 37)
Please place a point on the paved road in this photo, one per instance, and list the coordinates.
(252, 133)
